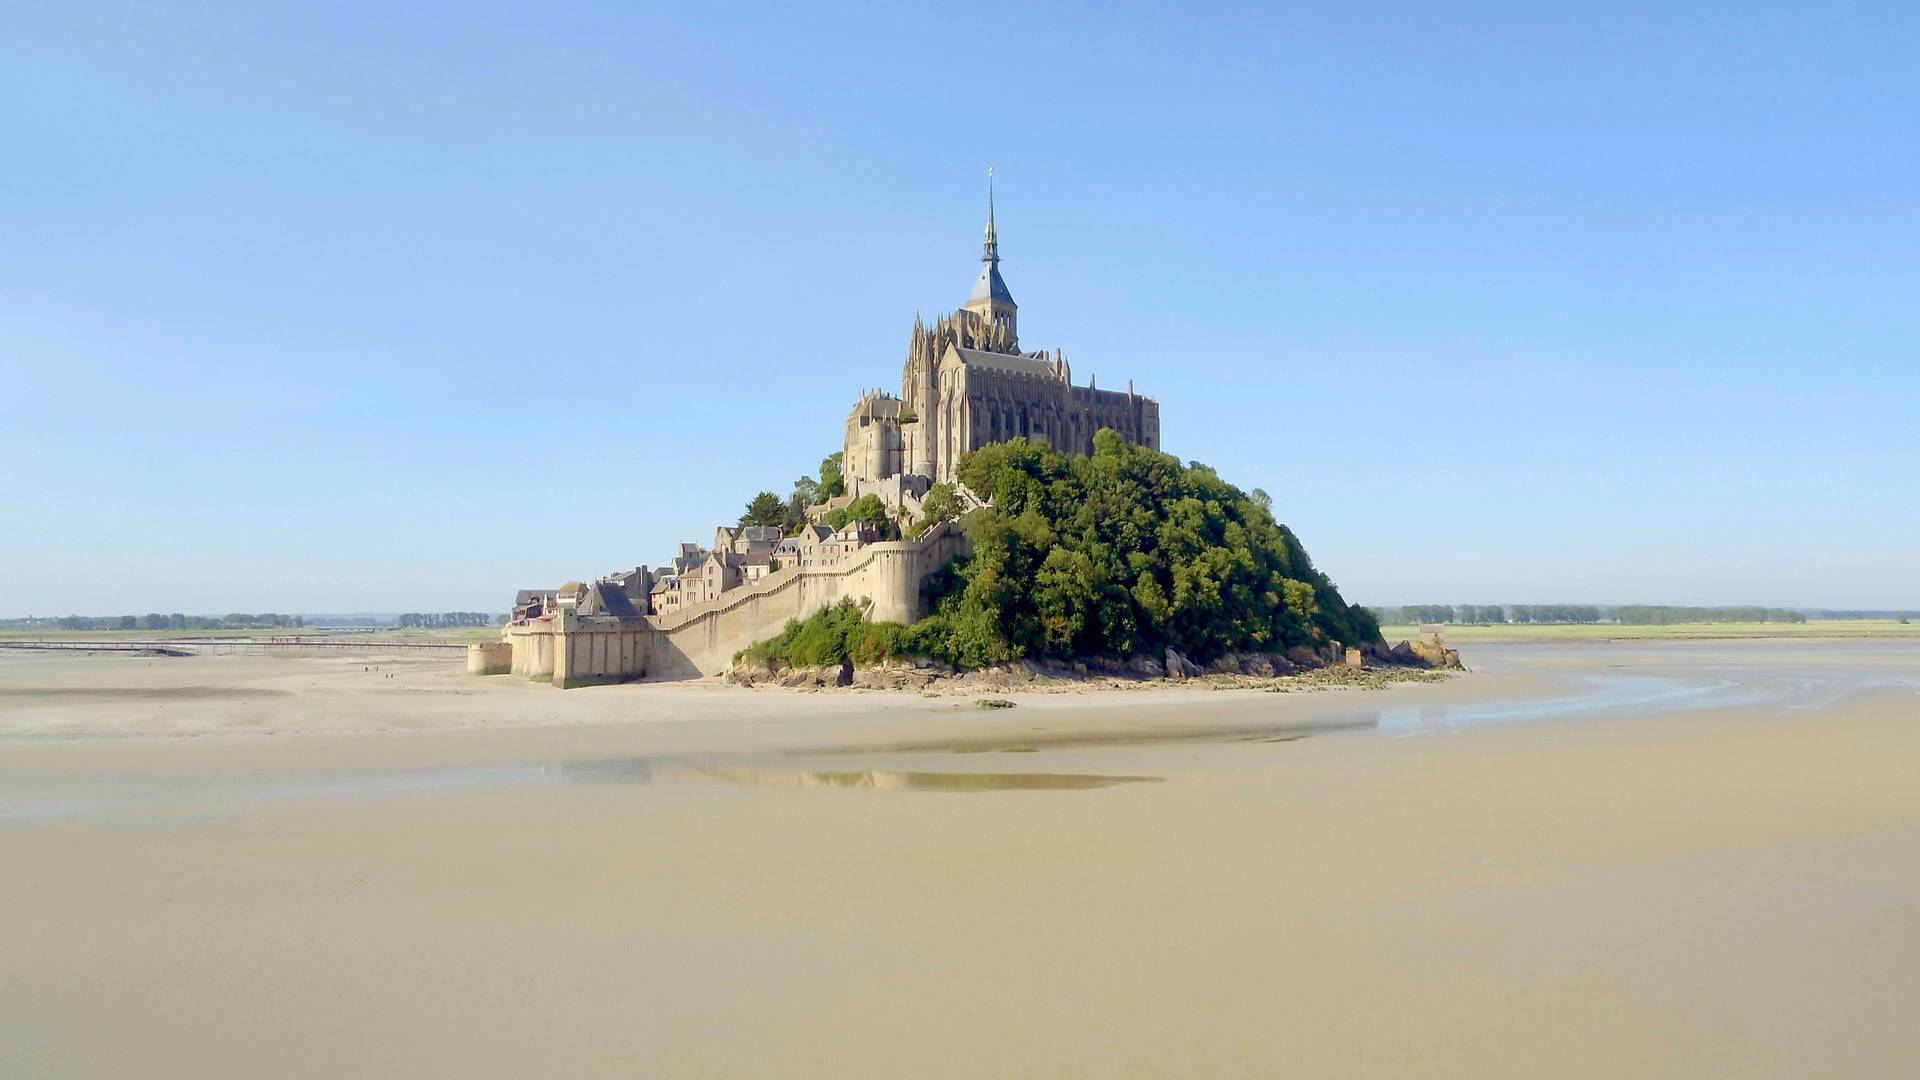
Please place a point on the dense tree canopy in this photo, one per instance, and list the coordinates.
(1127, 551)
(1122, 552)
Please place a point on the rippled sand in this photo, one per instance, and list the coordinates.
(1673, 859)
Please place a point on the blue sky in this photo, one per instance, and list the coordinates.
(402, 307)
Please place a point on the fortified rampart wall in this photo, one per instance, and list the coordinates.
(576, 650)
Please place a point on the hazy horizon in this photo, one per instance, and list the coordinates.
(347, 616)
(391, 311)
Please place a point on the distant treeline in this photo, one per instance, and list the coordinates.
(153, 620)
(1483, 614)
(1627, 614)
(444, 619)
(1650, 615)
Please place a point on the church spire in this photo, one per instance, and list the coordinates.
(990, 299)
(992, 253)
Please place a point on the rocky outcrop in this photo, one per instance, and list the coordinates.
(1427, 652)
(1434, 653)
(918, 674)
(840, 674)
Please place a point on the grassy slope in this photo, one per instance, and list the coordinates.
(1838, 628)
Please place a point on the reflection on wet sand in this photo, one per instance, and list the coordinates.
(888, 780)
(683, 771)
(160, 800)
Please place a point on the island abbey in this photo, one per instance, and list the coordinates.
(966, 384)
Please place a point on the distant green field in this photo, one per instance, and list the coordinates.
(1837, 628)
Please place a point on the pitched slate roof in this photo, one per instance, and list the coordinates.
(609, 599)
(1013, 362)
(990, 286)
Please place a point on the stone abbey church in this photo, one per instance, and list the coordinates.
(966, 384)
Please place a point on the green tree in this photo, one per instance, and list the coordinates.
(804, 494)
(868, 510)
(942, 503)
(763, 509)
(832, 483)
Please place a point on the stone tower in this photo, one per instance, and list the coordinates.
(920, 396)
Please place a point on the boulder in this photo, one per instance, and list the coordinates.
(1146, 667)
(1178, 666)
(1303, 656)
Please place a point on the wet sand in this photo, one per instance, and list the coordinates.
(1671, 859)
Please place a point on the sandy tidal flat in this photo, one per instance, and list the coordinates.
(1672, 859)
